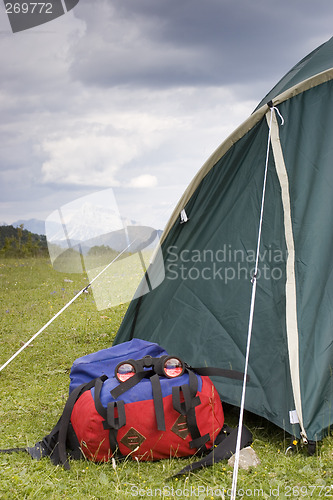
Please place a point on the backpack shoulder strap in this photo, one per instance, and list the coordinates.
(62, 435)
(64, 421)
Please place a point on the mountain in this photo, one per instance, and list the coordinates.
(35, 226)
(81, 222)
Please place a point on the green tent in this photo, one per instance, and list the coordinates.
(201, 310)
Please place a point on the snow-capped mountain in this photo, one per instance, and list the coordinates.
(81, 223)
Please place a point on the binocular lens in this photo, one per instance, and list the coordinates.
(167, 366)
(173, 367)
(125, 371)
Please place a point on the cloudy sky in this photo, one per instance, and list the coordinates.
(135, 95)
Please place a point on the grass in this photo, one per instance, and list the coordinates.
(34, 387)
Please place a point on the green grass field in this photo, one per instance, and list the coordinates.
(34, 387)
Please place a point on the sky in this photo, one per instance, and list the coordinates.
(135, 95)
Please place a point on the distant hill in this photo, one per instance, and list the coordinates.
(15, 241)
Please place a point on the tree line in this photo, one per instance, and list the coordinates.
(19, 242)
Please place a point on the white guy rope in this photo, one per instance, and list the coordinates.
(249, 333)
(165, 211)
(63, 309)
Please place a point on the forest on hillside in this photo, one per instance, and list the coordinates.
(19, 242)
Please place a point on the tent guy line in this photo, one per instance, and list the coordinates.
(64, 308)
(251, 315)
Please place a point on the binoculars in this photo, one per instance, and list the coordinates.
(165, 366)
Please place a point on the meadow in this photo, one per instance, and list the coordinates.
(34, 388)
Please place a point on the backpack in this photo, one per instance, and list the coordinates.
(135, 400)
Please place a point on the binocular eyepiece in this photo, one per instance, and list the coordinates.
(165, 366)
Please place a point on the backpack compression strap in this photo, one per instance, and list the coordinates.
(187, 408)
(219, 372)
(224, 448)
(111, 422)
(156, 388)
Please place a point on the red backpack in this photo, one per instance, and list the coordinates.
(134, 399)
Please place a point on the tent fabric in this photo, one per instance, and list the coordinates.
(237, 134)
(318, 61)
(200, 311)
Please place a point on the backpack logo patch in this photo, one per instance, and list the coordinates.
(132, 439)
(180, 427)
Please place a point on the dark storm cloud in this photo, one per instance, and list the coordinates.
(137, 92)
(165, 43)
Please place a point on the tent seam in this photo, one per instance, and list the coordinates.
(291, 299)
